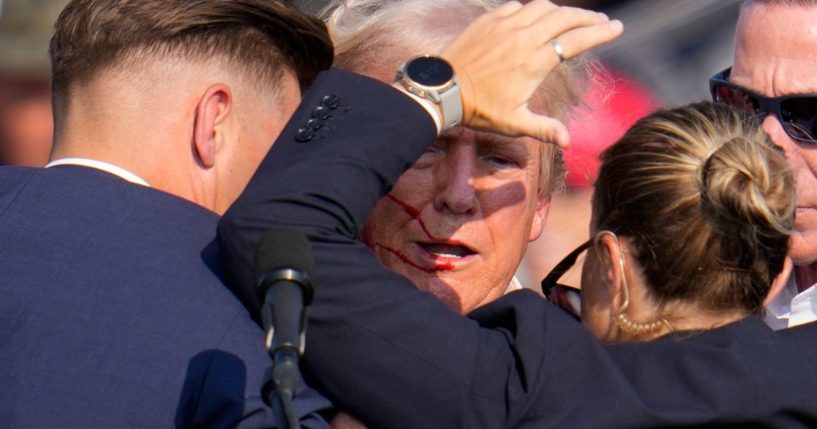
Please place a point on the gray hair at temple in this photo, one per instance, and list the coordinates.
(374, 37)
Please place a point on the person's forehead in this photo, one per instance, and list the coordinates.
(776, 49)
(491, 141)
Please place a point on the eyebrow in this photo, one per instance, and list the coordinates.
(491, 142)
(494, 138)
(502, 144)
(451, 133)
(796, 87)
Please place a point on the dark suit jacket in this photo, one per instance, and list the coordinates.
(112, 311)
(398, 358)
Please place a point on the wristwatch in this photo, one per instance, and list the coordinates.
(432, 78)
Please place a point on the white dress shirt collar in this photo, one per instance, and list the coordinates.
(515, 284)
(100, 165)
(791, 308)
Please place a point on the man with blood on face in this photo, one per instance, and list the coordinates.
(458, 222)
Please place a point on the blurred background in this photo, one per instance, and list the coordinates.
(25, 103)
(668, 51)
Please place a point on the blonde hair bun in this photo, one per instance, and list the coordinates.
(737, 185)
(707, 201)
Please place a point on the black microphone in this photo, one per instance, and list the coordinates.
(284, 268)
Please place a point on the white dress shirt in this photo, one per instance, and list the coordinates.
(791, 308)
(515, 284)
(100, 165)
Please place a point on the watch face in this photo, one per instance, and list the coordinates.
(429, 71)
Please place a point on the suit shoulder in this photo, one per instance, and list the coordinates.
(12, 181)
(802, 337)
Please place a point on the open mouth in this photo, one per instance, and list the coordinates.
(447, 250)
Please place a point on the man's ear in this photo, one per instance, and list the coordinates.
(212, 111)
(540, 216)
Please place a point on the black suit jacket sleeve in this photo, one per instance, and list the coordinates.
(397, 357)
(390, 354)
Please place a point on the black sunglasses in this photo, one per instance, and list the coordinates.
(797, 113)
(568, 298)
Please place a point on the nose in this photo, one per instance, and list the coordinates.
(774, 129)
(454, 181)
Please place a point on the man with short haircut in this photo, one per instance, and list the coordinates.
(113, 311)
(773, 76)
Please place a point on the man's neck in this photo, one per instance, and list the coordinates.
(805, 276)
(100, 165)
(161, 169)
(85, 149)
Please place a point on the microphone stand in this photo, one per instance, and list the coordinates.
(278, 391)
(283, 375)
(284, 266)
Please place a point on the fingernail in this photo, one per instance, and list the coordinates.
(616, 24)
(603, 16)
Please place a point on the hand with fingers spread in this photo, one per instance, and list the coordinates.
(503, 56)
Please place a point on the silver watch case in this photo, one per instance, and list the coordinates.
(432, 78)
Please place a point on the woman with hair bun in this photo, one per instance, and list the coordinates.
(692, 212)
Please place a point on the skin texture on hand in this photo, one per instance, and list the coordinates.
(503, 56)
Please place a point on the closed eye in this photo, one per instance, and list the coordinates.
(430, 156)
(502, 161)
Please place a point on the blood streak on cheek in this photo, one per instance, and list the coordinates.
(411, 211)
(406, 260)
(414, 213)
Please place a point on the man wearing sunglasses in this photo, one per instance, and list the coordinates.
(774, 77)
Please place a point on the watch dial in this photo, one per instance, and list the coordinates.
(429, 71)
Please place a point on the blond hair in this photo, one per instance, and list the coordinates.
(707, 200)
(370, 35)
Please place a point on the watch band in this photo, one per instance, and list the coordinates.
(451, 106)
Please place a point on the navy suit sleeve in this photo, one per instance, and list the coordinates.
(373, 339)
(398, 358)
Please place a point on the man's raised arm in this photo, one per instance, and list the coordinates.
(345, 146)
